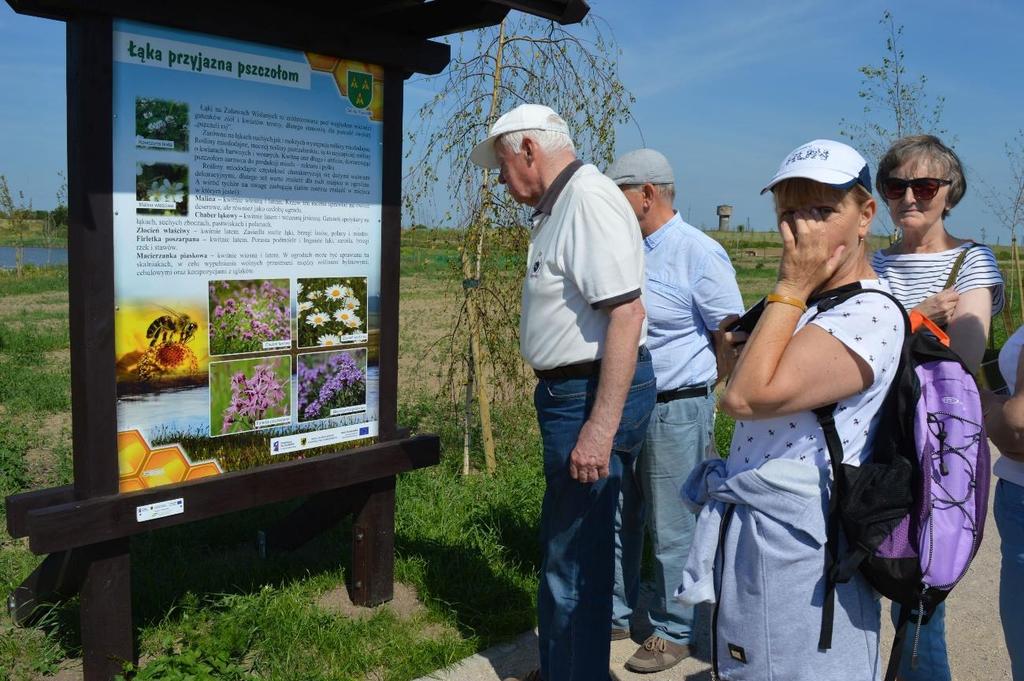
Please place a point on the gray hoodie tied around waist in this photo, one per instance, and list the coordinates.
(768, 579)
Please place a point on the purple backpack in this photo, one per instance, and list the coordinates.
(912, 515)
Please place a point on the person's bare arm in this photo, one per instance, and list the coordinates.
(969, 326)
(589, 459)
(779, 373)
(1004, 418)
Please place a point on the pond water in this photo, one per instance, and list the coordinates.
(188, 409)
(34, 256)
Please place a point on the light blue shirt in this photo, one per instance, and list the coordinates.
(691, 287)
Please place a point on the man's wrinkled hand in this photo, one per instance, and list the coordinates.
(589, 459)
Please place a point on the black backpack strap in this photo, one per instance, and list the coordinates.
(896, 654)
(837, 571)
(826, 419)
(829, 299)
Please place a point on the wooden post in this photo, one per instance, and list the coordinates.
(108, 635)
(373, 545)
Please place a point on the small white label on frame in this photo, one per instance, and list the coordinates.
(161, 509)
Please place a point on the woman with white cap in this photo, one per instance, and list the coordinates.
(762, 537)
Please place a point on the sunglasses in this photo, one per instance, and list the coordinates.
(924, 188)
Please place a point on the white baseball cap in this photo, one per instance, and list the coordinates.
(523, 117)
(827, 161)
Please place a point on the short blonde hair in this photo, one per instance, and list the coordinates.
(800, 190)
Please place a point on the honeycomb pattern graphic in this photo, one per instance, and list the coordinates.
(343, 70)
(142, 466)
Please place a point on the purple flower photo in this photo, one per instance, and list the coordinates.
(331, 384)
(249, 316)
(249, 394)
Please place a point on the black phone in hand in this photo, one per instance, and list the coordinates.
(748, 320)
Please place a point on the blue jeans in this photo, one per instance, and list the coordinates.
(574, 599)
(1009, 513)
(932, 660)
(677, 440)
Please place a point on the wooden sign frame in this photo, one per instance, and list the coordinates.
(85, 528)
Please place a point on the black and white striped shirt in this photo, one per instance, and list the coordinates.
(916, 276)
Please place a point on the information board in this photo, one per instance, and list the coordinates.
(247, 212)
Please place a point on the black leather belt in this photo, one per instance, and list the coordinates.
(682, 393)
(582, 369)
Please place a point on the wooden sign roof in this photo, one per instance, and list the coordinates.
(392, 32)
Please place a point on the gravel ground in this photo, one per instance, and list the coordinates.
(974, 636)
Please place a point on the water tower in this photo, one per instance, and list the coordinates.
(724, 213)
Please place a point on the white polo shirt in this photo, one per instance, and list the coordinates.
(586, 254)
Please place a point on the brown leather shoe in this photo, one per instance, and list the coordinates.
(655, 655)
(530, 676)
(619, 634)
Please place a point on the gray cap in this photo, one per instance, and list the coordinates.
(640, 167)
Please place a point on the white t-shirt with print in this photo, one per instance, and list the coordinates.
(870, 325)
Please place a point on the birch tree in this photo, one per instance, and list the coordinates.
(1006, 204)
(17, 213)
(896, 104)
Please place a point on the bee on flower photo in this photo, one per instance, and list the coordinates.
(331, 311)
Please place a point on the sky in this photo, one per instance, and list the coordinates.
(723, 89)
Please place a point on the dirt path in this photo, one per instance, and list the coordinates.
(975, 639)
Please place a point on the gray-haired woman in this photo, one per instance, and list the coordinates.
(922, 180)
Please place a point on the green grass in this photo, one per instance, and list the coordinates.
(34, 235)
(34, 390)
(208, 607)
(33, 280)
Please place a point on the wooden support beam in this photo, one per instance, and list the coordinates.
(310, 27)
(315, 515)
(18, 506)
(91, 521)
(108, 635)
(562, 11)
(59, 576)
(373, 546)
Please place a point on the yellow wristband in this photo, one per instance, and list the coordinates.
(788, 300)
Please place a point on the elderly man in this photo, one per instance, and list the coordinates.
(582, 329)
(690, 288)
